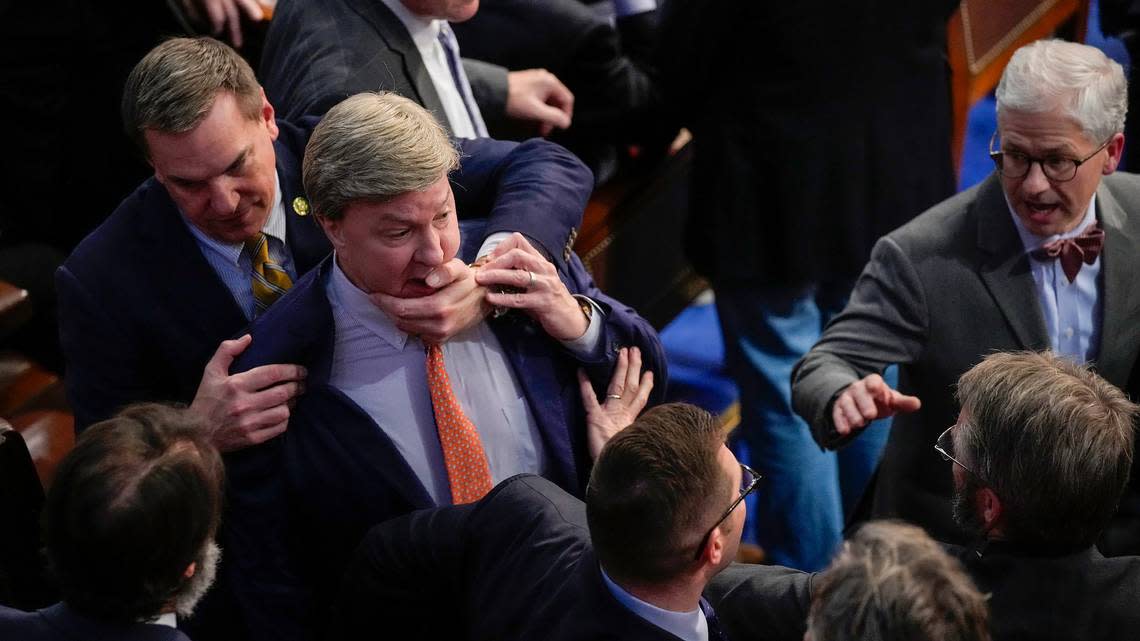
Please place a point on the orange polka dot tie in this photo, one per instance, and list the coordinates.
(463, 454)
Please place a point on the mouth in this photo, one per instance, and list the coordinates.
(1041, 212)
(417, 288)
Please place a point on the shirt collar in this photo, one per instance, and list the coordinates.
(168, 619)
(357, 304)
(685, 625)
(424, 31)
(1031, 241)
(274, 227)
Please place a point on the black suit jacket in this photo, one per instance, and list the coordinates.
(61, 623)
(516, 565)
(816, 129)
(141, 311)
(1043, 597)
(319, 53)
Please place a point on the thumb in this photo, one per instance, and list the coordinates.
(445, 274)
(227, 352)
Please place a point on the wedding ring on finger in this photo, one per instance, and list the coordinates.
(531, 283)
(614, 396)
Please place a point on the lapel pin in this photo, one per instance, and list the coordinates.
(301, 206)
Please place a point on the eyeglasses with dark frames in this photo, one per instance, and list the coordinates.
(1058, 169)
(749, 479)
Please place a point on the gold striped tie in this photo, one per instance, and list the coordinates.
(269, 280)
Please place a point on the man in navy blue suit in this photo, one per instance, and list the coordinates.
(148, 300)
(129, 528)
(374, 435)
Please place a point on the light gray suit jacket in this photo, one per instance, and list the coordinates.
(938, 294)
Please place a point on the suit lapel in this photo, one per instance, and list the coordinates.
(400, 41)
(1120, 328)
(1004, 267)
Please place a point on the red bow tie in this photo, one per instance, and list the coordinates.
(1073, 251)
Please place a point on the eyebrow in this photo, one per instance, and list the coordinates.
(237, 162)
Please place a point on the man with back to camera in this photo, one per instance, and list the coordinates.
(129, 527)
(1040, 255)
(392, 421)
(146, 300)
(663, 514)
(1040, 456)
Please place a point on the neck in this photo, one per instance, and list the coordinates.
(680, 595)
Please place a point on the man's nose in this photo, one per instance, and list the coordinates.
(224, 196)
(1035, 181)
(430, 250)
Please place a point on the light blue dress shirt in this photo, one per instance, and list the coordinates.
(1072, 311)
(234, 266)
(690, 626)
(383, 370)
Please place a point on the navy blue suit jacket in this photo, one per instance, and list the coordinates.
(61, 623)
(300, 503)
(518, 564)
(141, 311)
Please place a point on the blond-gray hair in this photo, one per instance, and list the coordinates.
(374, 147)
(1088, 85)
(173, 87)
(892, 582)
(1052, 439)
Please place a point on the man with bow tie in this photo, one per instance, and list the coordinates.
(1041, 255)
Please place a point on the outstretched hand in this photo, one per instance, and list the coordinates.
(866, 400)
(626, 396)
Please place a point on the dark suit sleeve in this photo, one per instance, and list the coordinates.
(489, 86)
(761, 602)
(404, 570)
(536, 188)
(623, 327)
(104, 372)
(885, 322)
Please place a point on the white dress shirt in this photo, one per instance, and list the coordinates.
(425, 34)
(690, 626)
(383, 370)
(1072, 311)
(235, 267)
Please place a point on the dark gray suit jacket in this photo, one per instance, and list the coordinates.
(319, 53)
(940, 293)
(517, 565)
(61, 623)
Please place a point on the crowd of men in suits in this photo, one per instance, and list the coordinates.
(372, 313)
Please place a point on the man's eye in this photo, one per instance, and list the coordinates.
(1057, 163)
(398, 234)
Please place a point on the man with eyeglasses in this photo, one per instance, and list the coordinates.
(663, 515)
(1041, 255)
(1039, 457)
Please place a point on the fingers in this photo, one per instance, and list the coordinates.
(216, 13)
(589, 397)
(265, 376)
(447, 273)
(633, 372)
(511, 251)
(901, 403)
(644, 387)
(550, 117)
(252, 9)
(617, 381)
(234, 22)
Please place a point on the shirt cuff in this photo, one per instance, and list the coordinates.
(587, 346)
(623, 8)
(491, 243)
